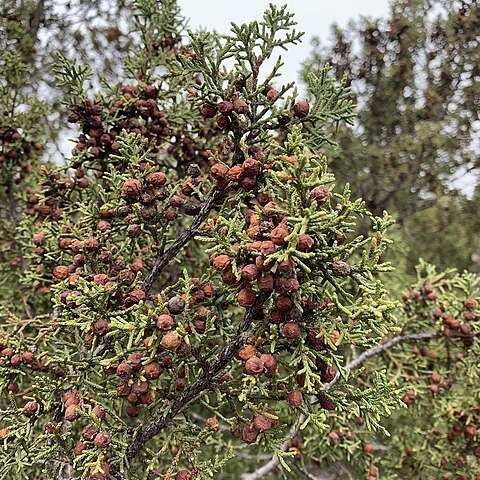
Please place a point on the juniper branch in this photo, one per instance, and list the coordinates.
(199, 386)
(351, 366)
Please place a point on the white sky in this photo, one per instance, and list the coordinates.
(314, 17)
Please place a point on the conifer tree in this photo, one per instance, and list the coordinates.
(190, 288)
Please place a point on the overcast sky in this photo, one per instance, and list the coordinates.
(314, 17)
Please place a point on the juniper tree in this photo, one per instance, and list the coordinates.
(193, 289)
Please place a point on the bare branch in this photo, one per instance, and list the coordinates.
(164, 259)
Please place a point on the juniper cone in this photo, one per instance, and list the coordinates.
(186, 297)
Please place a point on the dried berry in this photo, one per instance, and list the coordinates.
(286, 267)
(235, 174)
(225, 107)
(251, 167)
(327, 404)
(156, 179)
(240, 106)
(60, 272)
(165, 322)
(249, 272)
(246, 297)
(176, 305)
(470, 303)
(222, 262)
(89, 432)
(218, 171)
(102, 439)
(305, 243)
(272, 94)
(291, 330)
(135, 360)
(262, 423)
(183, 475)
(249, 434)
(79, 448)
(71, 413)
(99, 412)
(254, 366)
(278, 235)
(208, 111)
(124, 370)
(152, 371)
(247, 352)
(30, 409)
(269, 363)
(100, 327)
(265, 283)
(132, 188)
(295, 399)
(301, 109)
(171, 341)
(340, 268)
(320, 194)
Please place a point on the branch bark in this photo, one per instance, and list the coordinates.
(164, 259)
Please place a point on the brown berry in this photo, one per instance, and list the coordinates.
(305, 243)
(219, 171)
(30, 409)
(250, 272)
(183, 475)
(208, 111)
(278, 235)
(301, 109)
(249, 434)
(254, 366)
(152, 371)
(246, 297)
(60, 272)
(295, 399)
(272, 94)
(176, 305)
(269, 363)
(171, 340)
(157, 179)
(102, 439)
(240, 106)
(132, 188)
(100, 327)
(341, 269)
(247, 352)
(79, 448)
(165, 322)
(320, 194)
(89, 432)
(71, 413)
(291, 330)
(262, 423)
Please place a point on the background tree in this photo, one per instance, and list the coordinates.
(413, 76)
(97, 33)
